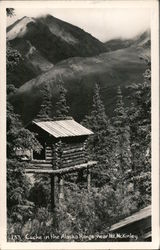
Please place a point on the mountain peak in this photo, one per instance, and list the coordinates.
(59, 28)
(19, 28)
(143, 39)
(46, 40)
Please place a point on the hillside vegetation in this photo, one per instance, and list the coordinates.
(79, 76)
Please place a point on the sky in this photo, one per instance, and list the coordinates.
(103, 23)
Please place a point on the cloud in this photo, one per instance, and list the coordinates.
(103, 23)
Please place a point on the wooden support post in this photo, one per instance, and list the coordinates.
(88, 180)
(61, 192)
(53, 192)
(80, 176)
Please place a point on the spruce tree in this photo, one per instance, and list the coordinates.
(45, 112)
(40, 191)
(99, 145)
(19, 142)
(10, 12)
(139, 114)
(62, 110)
(121, 167)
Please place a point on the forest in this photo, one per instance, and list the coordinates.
(121, 180)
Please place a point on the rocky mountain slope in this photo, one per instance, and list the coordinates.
(141, 40)
(46, 40)
(112, 69)
(77, 59)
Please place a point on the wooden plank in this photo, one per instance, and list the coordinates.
(49, 157)
(71, 146)
(34, 161)
(41, 162)
(75, 157)
(39, 165)
(69, 151)
(48, 152)
(48, 149)
(73, 154)
(74, 160)
(140, 215)
(88, 180)
(147, 235)
(73, 150)
(62, 170)
(80, 154)
(73, 163)
(61, 191)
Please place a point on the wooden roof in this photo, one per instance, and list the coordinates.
(63, 128)
(140, 215)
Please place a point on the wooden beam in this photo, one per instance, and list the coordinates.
(143, 215)
(80, 176)
(62, 170)
(88, 180)
(61, 191)
(69, 151)
(46, 165)
(49, 158)
(41, 163)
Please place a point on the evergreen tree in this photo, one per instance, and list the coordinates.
(13, 57)
(41, 186)
(40, 191)
(45, 112)
(10, 12)
(121, 168)
(62, 110)
(139, 115)
(99, 145)
(19, 140)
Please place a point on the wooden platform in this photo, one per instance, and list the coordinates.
(138, 216)
(61, 170)
(138, 224)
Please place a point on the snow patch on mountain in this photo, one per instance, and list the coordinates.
(19, 29)
(58, 28)
(31, 50)
(62, 34)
